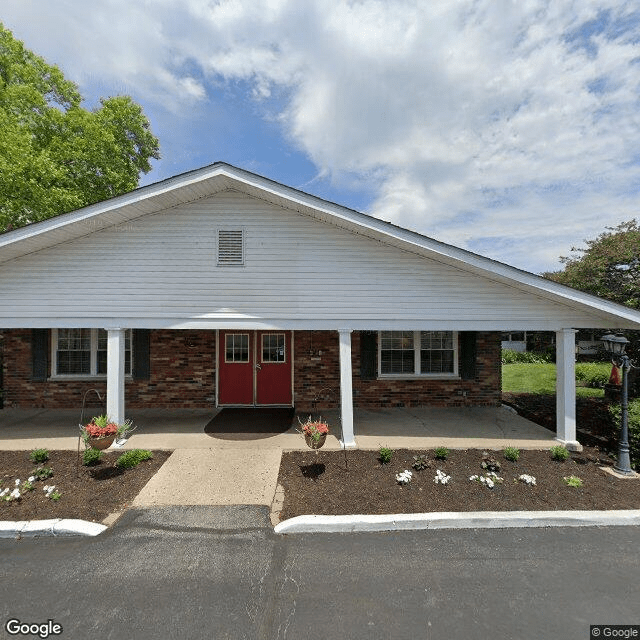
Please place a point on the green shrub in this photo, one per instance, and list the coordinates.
(595, 374)
(39, 455)
(526, 357)
(490, 463)
(132, 458)
(91, 457)
(633, 427)
(559, 453)
(441, 453)
(420, 463)
(385, 455)
(573, 481)
(42, 473)
(511, 453)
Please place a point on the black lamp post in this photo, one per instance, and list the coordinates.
(615, 346)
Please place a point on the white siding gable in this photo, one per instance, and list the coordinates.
(161, 270)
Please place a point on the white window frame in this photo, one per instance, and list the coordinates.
(237, 333)
(284, 347)
(416, 361)
(93, 369)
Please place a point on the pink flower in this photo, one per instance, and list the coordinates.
(94, 431)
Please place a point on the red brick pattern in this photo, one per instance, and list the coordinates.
(182, 365)
(317, 378)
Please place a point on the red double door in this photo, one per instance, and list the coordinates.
(255, 368)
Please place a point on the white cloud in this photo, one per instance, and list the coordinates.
(511, 128)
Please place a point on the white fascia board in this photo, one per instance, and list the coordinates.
(299, 324)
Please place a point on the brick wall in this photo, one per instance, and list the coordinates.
(317, 377)
(182, 366)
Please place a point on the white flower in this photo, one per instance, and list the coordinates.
(441, 477)
(4, 492)
(15, 494)
(32, 478)
(17, 483)
(526, 478)
(488, 480)
(404, 477)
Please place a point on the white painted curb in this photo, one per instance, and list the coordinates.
(450, 520)
(56, 527)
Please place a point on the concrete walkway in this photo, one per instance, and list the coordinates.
(206, 470)
(214, 477)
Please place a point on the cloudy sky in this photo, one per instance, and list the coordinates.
(507, 127)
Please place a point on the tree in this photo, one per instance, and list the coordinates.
(56, 156)
(608, 267)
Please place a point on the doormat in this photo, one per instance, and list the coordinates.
(249, 423)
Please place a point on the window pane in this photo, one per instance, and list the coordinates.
(73, 355)
(273, 349)
(397, 340)
(101, 354)
(436, 362)
(436, 352)
(102, 362)
(436, 340)
(397, 362)
(237, 347)
(396, 353)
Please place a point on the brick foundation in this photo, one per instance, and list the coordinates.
(182, 375)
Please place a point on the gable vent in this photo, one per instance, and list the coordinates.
(230, 247)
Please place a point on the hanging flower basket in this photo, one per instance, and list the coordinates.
(314, 432)
(101, 432)
(315, 444)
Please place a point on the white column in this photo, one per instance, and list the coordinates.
(115, 375)
(346, 389)
(566, 389)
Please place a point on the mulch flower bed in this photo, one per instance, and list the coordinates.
(92, 494)
(593, 420)
(322, 484)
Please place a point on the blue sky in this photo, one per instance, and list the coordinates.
(508, 128)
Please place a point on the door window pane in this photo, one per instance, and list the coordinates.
(273, 347)
(236, 347)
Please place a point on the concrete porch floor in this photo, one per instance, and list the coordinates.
(412, 428)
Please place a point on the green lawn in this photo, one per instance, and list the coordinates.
(541, 378)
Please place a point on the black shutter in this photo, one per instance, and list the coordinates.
(141, 364)
(39, 354)
(368, 355)
(468, 353)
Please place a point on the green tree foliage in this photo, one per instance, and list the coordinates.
(56, 156)
(608, 267)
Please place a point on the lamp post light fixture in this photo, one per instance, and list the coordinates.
(615, 346)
